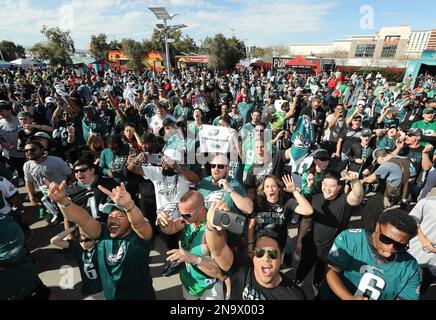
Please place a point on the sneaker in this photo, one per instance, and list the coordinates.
(297, 257)
(297, 283)
(315, 287)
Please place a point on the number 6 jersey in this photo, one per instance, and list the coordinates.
(367, 274)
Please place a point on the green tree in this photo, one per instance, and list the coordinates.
(115, 45)
(99, 46)
(135, 51)
(57, 49)
(257, 52)
(224, 53)
(11, 51)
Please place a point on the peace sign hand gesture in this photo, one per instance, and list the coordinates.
(119, 195)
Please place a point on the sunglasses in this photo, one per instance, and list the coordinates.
(30, 150)
(397, 245)
(357, 120)
(272, 253)
(189, 214)
(81, 170)
(219, 166)
(85, 240)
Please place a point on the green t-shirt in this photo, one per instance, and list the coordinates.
(123, 264)
(427, 128)
(19, 278)
(212, 192)
(387, 143)
(367, 274)
(180, 111)
(193, 279)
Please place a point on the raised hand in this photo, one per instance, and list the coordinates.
(289, 184)
(349, 175)
(119, 195)
(56, 192)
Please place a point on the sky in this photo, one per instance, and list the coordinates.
(257, 22)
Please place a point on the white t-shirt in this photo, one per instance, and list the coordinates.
(333, 133)
(168, 190)
(156, 123)
(7, 190)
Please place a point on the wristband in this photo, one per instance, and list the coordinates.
(130, 209)
(63, 206)
(197, 261)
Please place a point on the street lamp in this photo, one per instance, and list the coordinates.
(162, 14)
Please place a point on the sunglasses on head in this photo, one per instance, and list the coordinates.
(397, 245)
(272, 253)
(80, 170)
(219, 166)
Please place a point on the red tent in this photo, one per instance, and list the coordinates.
(300, 62)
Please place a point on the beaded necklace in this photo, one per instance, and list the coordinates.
(186, 244)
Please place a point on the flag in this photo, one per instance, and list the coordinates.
(302, 138)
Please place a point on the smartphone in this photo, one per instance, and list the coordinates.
(132, 152)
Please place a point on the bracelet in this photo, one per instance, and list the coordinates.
(130, 209)
(197, 261)
(63, 206)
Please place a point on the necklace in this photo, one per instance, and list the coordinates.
(187, 243)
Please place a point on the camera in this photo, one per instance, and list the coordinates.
(232, 222)
(154, 158)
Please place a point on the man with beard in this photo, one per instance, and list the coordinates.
(219, 186)
(41, 166)
(124, 243)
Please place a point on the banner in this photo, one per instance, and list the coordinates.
(302, 138)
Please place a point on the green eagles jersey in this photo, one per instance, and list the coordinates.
(365, 273)
(88, 266)
(245, 109)
(427, 128)
(212, 192)
(192, 278)
(19, 278)
(387, 143)
(123, 265)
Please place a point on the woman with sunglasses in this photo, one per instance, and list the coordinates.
(374, 266)
(84, 250)
(272, 211)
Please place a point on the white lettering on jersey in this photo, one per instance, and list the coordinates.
(365, 283)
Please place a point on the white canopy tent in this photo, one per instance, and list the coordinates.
(4, 64)
(25, 63)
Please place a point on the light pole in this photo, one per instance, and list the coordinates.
(162, 14)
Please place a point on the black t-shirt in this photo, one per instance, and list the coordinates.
(246, 287)
(415, 157)
(350, 137)
(256, 174)
(274, 216)
(330, 217)
(84, 196)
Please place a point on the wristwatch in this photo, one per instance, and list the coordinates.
(63, 206)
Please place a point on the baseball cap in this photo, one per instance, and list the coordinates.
(321, 154)
(173, 154)
(50, 100)
(429, 110)
(109, 207)
(379, 152)
(366, 132)
(337, 92)
(42, 135)
(25, 114)
(415, 132)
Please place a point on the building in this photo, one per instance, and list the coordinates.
(389, 43)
